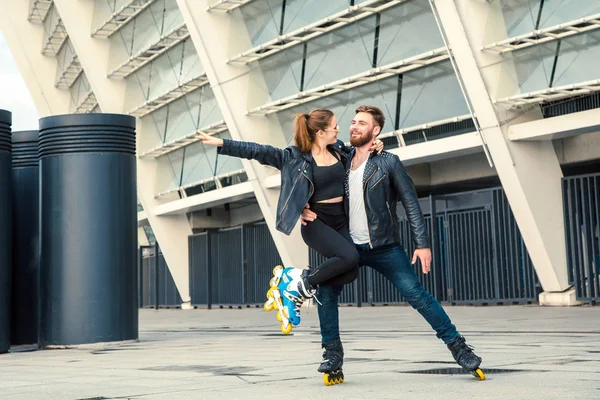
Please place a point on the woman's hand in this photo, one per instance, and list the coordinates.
(377, 146)
(210, 140)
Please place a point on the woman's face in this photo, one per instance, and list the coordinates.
(330, 134)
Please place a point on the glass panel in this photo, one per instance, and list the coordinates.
(558, 11)
(430, 94)
(178, 65)
(104, 9)
(200, 162)
(182, 116)
(263, 19)
(168, 173)
(382, 94)
(578, 60)
(210, 112)
(190, 64)
(520, 16)
(533, 67)
(159, 18)
(341, 53)
(300, 13)
(407, 30)
(282, 72)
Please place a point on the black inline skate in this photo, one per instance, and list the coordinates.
(464, 356)
(331, 366)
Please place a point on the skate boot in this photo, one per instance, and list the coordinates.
(289, 289)
(464, 356)
(331, 366)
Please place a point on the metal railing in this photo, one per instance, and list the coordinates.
(328, 24)
(550, 34)
(227, 5)
(169, 96)
(551, 94)
(156, 287)
(372, 75)
(179, 143)
(581, 201)
(38, 10)
(232, 267)
(144, 56)
(121, 17)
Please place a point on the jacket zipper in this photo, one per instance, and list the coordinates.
(291, 192)
(376, 183)
(365, 201)
(312, 186)
(390, 212)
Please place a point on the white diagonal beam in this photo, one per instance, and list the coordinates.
(24, 40)
(530, 172)
(235, 88)
(171, 233)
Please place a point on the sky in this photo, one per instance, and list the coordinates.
(14, 95)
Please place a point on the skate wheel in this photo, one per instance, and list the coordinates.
(333, 378)
(279, 318)
(268, 305)
(274, 281)
(478, 373)
(286, 330)
(277, 268)
(270, 294)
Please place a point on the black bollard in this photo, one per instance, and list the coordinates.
(88, 276)
(5, 229)
(25, 254)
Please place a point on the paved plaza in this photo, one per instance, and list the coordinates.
(529, 352)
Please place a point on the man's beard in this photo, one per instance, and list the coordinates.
(362, 140)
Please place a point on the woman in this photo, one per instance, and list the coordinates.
(313, 172)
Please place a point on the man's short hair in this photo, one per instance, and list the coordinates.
(375, 112)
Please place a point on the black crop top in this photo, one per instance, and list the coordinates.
(328, 180)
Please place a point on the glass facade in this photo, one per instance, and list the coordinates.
(334, 54)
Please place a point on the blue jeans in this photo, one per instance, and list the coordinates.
(393, 263)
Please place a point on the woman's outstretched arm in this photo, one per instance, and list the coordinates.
(264, 154)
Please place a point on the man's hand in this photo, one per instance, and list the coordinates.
(425, 256)
(307, 215)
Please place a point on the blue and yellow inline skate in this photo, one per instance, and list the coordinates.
(289, 289)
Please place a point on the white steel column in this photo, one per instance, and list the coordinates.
(237, 89)
(529, 171)
(39, 72)
(171, 232)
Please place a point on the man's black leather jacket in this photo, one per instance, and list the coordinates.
(296, 174)
(386, 182)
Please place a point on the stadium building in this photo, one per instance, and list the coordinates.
(493, 106)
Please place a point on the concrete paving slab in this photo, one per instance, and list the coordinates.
(529, 352)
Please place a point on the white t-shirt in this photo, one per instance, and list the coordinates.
(359, 228)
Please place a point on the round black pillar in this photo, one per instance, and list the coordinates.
(5, 229)
(88, 276)
(25, 255)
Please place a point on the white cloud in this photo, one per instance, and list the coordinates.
(14, 95)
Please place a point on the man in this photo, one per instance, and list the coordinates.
(373, 185)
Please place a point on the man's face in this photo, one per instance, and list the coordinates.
(363, 129)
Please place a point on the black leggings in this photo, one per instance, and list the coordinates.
(329, 236)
